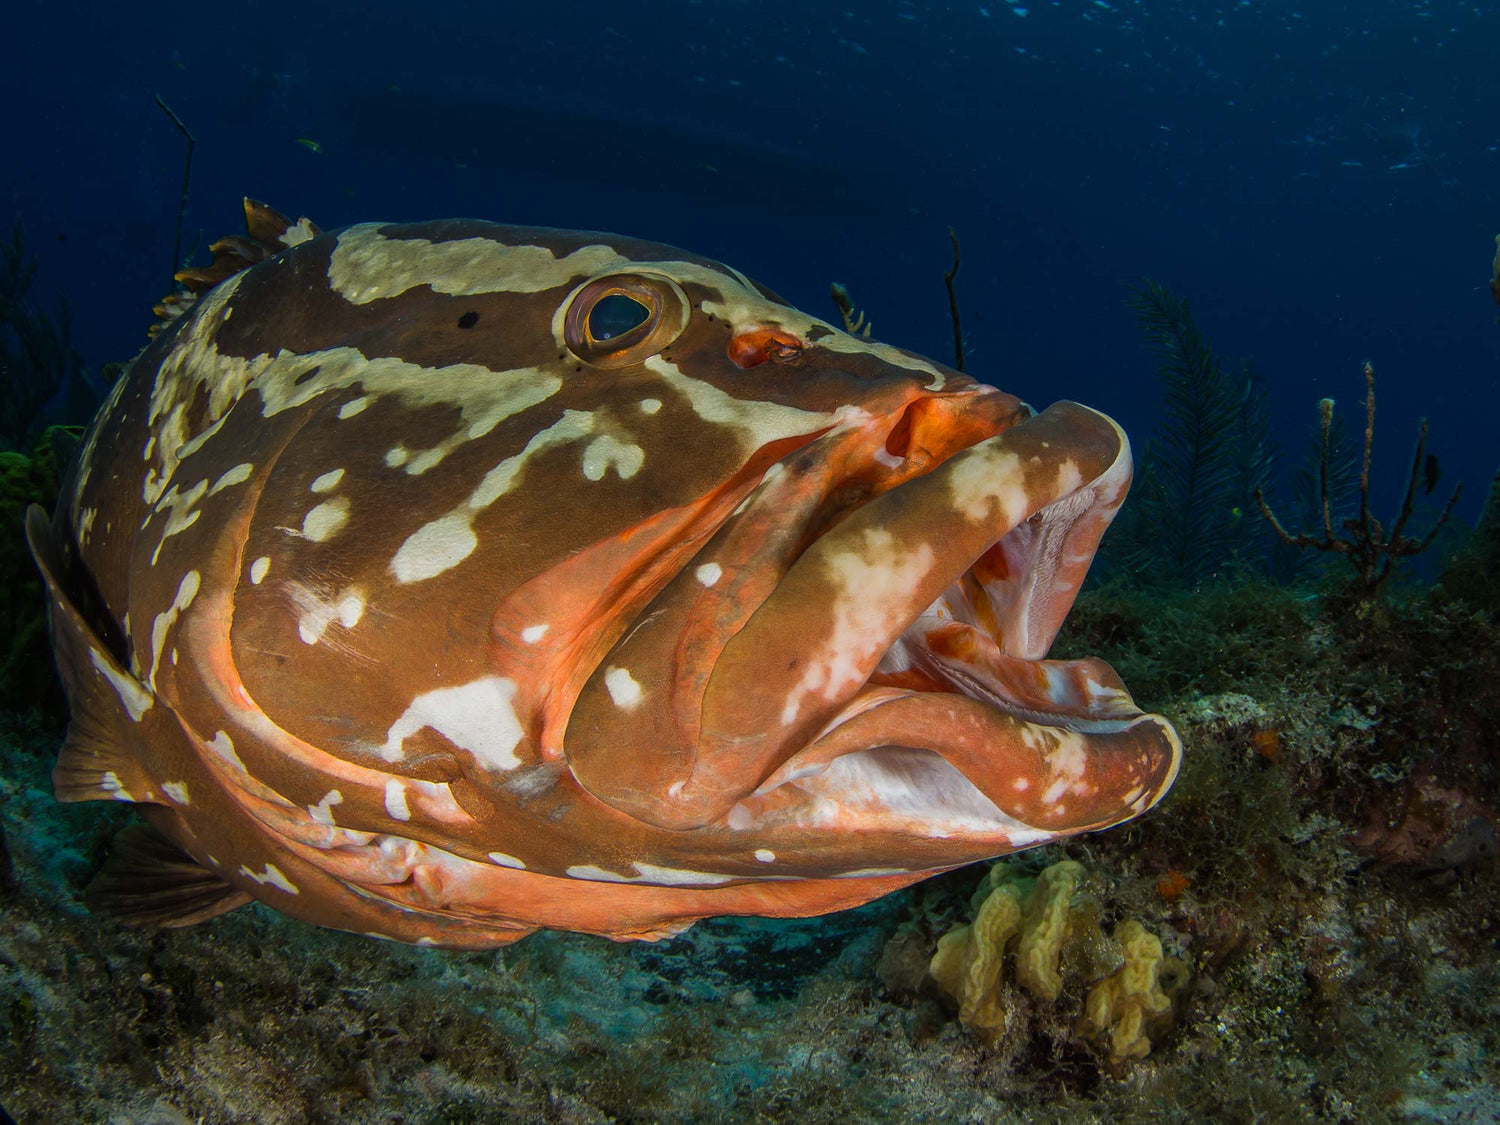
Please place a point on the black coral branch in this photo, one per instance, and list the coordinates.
(1362, 540)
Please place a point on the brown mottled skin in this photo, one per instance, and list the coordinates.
(677, 649)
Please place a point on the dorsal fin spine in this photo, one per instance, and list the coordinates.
(268, 232)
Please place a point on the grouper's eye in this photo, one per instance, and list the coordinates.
(623, 319)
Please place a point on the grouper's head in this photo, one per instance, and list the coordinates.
(784, 578)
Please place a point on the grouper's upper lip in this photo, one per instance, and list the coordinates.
(993, 593)
(984, 636)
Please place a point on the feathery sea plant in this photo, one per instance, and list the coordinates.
(1255, 456)
(1213, 450)
(1470, 573)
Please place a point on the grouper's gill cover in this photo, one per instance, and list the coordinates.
(449, 580)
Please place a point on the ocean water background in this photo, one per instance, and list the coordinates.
(1318, 178)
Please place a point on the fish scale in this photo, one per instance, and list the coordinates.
(400, 599)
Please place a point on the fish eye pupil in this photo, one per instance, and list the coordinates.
(614, 315)
(469, 319)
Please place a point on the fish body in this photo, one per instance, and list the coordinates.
(408, 587)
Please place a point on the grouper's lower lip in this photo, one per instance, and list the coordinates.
(989, 753)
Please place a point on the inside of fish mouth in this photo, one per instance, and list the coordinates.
(957, 644)
(1073, 695)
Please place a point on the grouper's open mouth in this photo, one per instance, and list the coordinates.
(869, 654)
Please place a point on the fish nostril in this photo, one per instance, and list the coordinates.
(752, 347)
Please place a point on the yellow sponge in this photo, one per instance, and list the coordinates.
(1119, 1007)
(1044, 927)
(969, 961)
(1050, 924)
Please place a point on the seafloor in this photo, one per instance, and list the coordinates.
(1325, 868)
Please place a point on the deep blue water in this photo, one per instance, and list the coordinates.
(1319, 178)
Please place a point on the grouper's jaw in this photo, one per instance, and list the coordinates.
(894, 673)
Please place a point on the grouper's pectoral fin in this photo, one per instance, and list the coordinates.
(101, 758)
(149, 881)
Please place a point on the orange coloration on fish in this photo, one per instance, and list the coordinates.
(410, 588)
